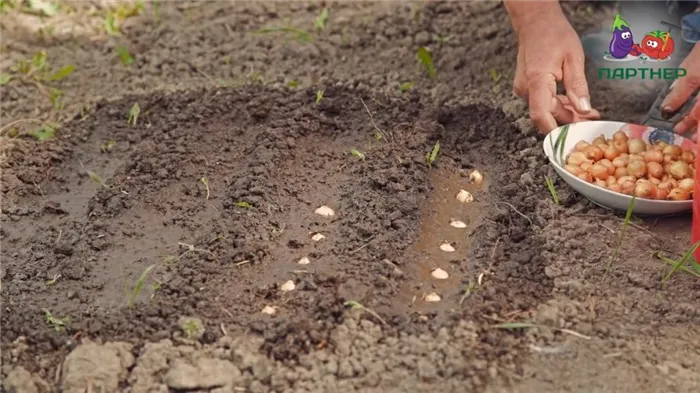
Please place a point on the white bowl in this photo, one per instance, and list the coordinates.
(589, 130)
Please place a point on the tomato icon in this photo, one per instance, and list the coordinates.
(657, 45)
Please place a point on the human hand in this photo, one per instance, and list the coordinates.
(549, 51)
(682, 89)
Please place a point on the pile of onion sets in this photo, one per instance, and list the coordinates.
(633, 167)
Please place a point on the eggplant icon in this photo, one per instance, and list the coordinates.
(622, 41)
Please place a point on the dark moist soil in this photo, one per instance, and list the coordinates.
(76, 244)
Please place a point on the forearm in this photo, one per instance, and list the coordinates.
(524, 12)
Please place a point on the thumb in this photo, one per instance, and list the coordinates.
(683, 87)
(681, 90)
(575, 83)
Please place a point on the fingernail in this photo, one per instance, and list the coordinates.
(667, 112)
(584, 104)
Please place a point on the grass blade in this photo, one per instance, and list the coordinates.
(681, 268)
(681, 262)
(514, 325)
(139, 285)
(552, 190)
(559, 145)
(426, 59)
(62, 73)
(625, 224)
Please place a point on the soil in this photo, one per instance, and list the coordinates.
(213, 194)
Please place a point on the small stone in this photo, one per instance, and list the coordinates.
(325, 211)
(465, 197)
(447, 247)
(439, 274)
(422, 38)
(19, 380)
(304, 261)
(288, 286)
(432, 297)
(317, 236)
(458, 224)
(269, 310)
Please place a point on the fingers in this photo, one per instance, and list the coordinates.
(542, 90)
(520, 82)
(565, 113)
(690, 122)
(686, 125)
(575, 83)
(684, 86)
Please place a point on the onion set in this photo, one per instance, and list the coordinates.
(633, 167)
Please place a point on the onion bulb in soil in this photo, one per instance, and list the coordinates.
(476, 177)
(633, 167)
(465, 197)
(432, 298)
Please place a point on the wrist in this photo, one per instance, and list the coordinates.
(524, 13)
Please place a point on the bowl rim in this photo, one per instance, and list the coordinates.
(628, 198)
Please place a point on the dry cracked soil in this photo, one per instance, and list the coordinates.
(211, 193)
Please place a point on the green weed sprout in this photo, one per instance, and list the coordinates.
(59, 324)
(406, 86)
(107, 147)
(625, 224)
(124, 56)
(43, 133)
(299, 35)
(321, 20)
(552, 190)
(431, 156)
(206, 185)
(682, 262)
(139, 285)
(354, 305)
(426, 59)
(357, 154)
(53, 280)
(97, 179)
(319, 95)
(528, 325)
(244, 204)
(37, 72)
(134, 114)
